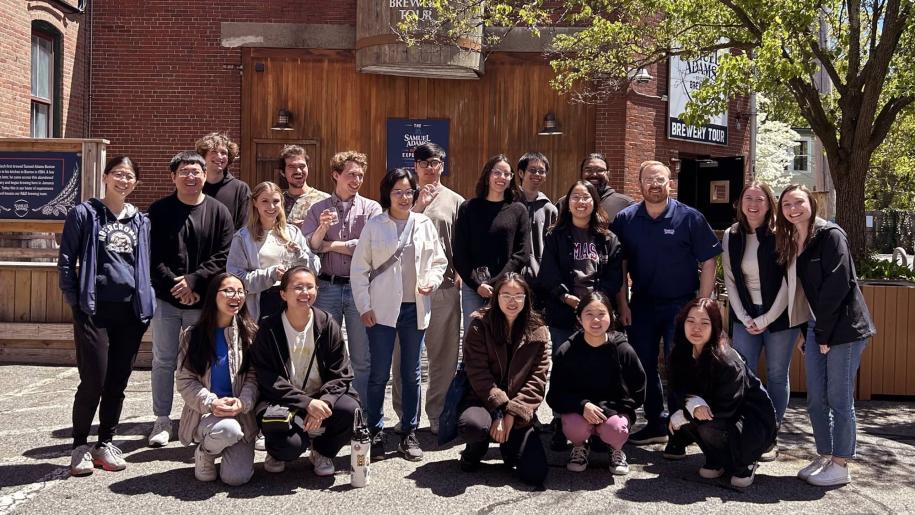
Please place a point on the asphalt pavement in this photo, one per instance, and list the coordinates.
(35, 404)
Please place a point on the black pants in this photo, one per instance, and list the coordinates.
(106, 348)
(719, 441)
(523, 450)
(338, 431)
(270, 302)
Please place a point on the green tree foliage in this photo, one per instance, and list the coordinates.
(891, 181)
(786, 49)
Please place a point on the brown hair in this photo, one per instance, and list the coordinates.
(213, 141)
(338, 162)
(785, 231)
(512, 191)
(770, 200)
(254, 219)
(648, 164)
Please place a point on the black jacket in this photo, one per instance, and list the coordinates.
(827, 273)
(270, 353)
(610, 377)
(557, 273)
(771, 273)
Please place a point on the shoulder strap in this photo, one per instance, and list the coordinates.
(401, 243)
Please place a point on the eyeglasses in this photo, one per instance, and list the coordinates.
(505, 175)
(121, 176)
(655, 180)
(302, 288)
(593, 170)
(190, 173)
(582, 199)
(519, 298)
(232, 293)
(403, 193)
(536, 171)
(429, 163)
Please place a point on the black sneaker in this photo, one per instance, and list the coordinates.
(674, 451)
(409, 447)
(472, 455)
(377, 452)
(651, 433)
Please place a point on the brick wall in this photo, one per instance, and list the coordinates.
(161, 79)
(15, 66)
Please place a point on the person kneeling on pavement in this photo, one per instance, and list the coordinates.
(218, 386)
(727, 411)
(506, 358)
(596, 385)
(305, 378)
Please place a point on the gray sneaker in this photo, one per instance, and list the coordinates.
(161, 432)
(204, 464)
(409, 447)
(81, 461)
(109, 457)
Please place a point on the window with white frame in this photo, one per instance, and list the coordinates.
(44, 77)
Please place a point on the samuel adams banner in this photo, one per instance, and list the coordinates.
(685, 78)
(405, 134)
(39, 185)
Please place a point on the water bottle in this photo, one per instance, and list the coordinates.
(359, 451)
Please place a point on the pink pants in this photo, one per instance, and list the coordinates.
(613, 432)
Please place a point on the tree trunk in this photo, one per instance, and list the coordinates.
(849, 177)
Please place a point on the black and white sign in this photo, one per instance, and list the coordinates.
(685, 78)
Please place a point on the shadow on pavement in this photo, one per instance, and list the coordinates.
(28, 473)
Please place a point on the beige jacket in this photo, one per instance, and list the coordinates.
(195, 390)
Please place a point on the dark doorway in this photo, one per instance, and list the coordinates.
(711, 185)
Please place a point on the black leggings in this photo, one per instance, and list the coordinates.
(523, 450)
(338, 431)
(106, 349)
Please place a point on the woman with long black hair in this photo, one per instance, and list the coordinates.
(506, 357)
(726, 410)
(218, 385)
(104, 277)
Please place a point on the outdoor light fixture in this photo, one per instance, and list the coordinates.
(642, 76)
(550, 126)
(283, 119)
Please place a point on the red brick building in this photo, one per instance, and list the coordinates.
(152, 76)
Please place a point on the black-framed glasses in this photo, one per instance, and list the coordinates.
(536, 171)
(429, 163)
(233, 293)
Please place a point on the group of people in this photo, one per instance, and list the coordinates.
(248, 291)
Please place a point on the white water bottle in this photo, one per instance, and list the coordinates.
(359, 456)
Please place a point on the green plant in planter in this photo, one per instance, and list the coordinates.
(873, 268)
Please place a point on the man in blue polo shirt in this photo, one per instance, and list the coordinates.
(664, 241)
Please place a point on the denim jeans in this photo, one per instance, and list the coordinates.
(167, 323)
(652, 321)
(831, 394)
(470, 302)
(337, 301)
(381, 341)
(779, 346)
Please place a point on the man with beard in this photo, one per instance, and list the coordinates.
(299, 196)
(663, 242)
(594, 170)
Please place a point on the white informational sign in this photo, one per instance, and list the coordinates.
(685, 77)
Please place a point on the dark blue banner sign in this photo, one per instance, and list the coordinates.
(405, 134)
(39, 185)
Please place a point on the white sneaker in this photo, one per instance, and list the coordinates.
(204, 465)
(814, 467)
(578, 458)
(81, 461)
(618, 464)
(743, 479)
(710, 473)
(771, 454)
(108, 457)
(260, 444)
(161, 432)
(832, 474)
(324, 466)
(274, 465)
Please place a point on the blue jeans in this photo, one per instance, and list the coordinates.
(652, 321)
(470, 302)
(167, 323)
(337, 300)
(779, 346)
(381, 341)
(831, 395)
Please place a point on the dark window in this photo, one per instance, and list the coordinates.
(802, 156)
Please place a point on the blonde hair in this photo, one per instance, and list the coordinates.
(254, 220)
(338, 162)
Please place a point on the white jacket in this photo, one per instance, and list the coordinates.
(244, 264)
(377, 243)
